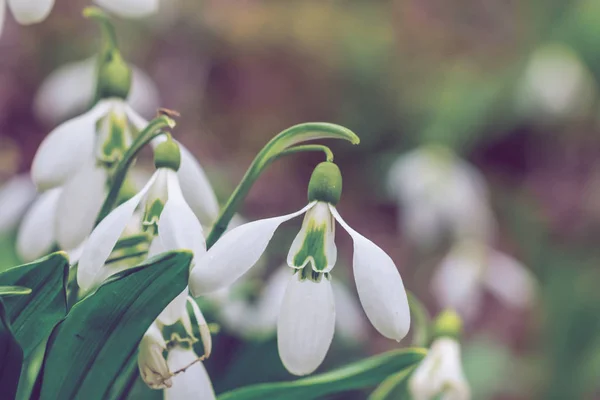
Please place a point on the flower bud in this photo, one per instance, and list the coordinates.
(167, 154)
(325, 183)
(447, 324)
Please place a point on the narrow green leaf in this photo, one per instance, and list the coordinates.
(11, 358)
(358, 375)
(34, 316)
(13, 290)
(88, 351)
(394, 386)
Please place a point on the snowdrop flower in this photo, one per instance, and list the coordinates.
(556, 83)
(26, 12)
(438, 192)
(130, 8)
(167, 219)
(15, 197)
(307, 315)
(472, 267)
(181, 374)
(70, 89)
(440, 373)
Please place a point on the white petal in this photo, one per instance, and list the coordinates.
(205, 336)
(175, 310)
(379, 285)
(235, 253)
(66, 90)
(306, 324)
(457, 282)
(194, 383)
(103, 239)
(35, 237)
(15, 197)
(510, 280)
(130, 8)
(143, 95)
(79, 205)
(178, 227)
(349, 320)
(317, 218)
(30, 11)
(66, 148)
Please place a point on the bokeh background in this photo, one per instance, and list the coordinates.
(400, 74)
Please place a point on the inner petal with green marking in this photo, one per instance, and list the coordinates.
(314, 245)
(114, 138)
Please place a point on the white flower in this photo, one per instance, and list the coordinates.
(15, 197)
(440, 373)
(556, 83)
(471, 267)
(79, 155)
(307, 315)
(438, 193)
(151, 362)
(70, 89)
(26, 12)
(167, 218)
(182, 374)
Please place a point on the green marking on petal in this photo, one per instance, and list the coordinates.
(151, 216)
(116, 141)
(313, 247)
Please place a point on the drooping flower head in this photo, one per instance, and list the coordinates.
(167, 220)
(440, 372)
(307, 316)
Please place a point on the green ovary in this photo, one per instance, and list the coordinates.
(313, 247)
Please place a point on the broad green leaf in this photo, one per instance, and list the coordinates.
(34, 316)
(90, 349)
(11, 358)
(358, 375)
(13, 290)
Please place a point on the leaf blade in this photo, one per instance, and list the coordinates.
(358, 375)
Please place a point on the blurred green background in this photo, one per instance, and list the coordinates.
(398, 73)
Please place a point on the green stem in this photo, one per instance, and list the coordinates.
(108, 31)
(307, 147)
(421, 323)
(151, 131)
(277, 147)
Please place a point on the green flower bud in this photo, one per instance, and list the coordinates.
(449, 324)
(325, 183)
(167, 155)
(114, 75)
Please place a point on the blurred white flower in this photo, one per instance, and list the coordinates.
(307, 316)
(440, 373)
(16, 196)
(472, 267)
(439, 192)
(194, 382)
(130, 8)
(26, 12)
(70, 90)
(556, 83)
